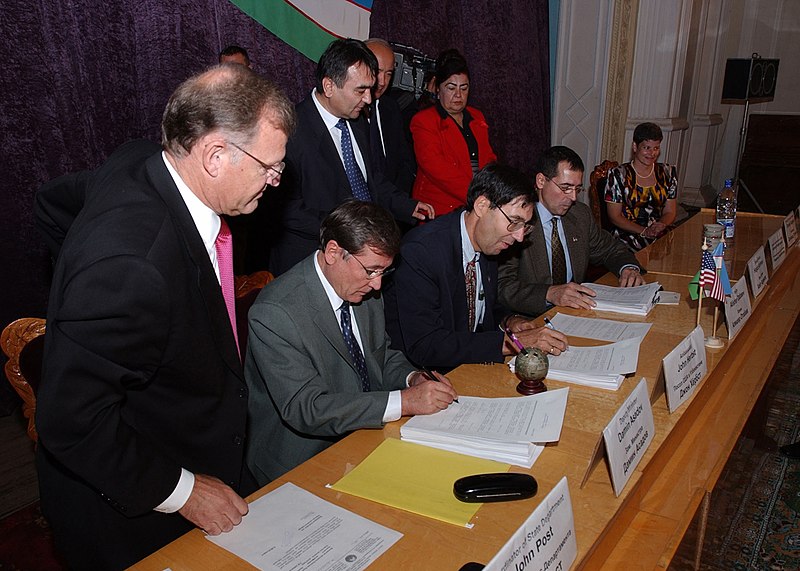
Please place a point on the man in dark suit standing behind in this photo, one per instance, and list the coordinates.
(328, 159)
(142, 408)
(390, 150)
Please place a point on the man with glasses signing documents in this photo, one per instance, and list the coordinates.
(319, 364)
(547, 268)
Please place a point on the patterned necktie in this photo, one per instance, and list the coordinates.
(224, 247)
(357, 183)
(471, 281)
(559, 260)
(353, 347)
(375, 141)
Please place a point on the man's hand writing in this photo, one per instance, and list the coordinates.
(213, 506)
(548, 340)
(424, 396)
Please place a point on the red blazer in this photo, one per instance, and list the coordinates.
(443, 167)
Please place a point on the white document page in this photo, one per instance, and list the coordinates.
(602, 329)
(535, 418)
(618, 358)
(292, 529)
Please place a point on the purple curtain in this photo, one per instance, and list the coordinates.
(84, 76)
(507, 48)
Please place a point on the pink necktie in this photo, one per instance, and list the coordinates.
(224, 247)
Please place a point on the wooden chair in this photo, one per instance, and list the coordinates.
(597, 189)
(23, 342)
(246, 288)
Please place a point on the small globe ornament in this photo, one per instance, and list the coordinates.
(531, 367)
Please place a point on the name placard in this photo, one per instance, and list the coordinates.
(684, 368)
(790, 228)
(757, 268)
(546, 541)
(737, 308)
(628, 435)
(777, 249)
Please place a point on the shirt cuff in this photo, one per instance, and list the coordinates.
(394, 407)
(180, 495)
(631, 266)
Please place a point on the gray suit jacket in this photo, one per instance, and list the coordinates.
(305, 393)
(525, 274)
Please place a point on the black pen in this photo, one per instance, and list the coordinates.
(549, 324)
(428, 373)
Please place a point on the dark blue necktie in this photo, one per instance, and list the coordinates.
(357, 183)
(353, 347)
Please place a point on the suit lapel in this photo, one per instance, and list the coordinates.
(324, 316)
(541, 263)
(321, 139)
(206, 282)
(577, 251)
(457, 272)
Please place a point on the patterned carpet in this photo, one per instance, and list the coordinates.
(754, 520)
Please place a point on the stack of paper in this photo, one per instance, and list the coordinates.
(637, 300)
(602, 329)
(602, 367)
(509, 430)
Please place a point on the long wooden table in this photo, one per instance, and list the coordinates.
(642, 527)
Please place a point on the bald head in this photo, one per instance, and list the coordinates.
(385, 56)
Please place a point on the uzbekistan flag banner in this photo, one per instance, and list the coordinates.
(310, 25)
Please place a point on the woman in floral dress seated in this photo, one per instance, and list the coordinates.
(641, 195)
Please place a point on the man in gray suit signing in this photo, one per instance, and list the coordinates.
(548, 267)
(319, 363)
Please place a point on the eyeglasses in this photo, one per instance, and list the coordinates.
(567, 188)
(372, 274)
(275, 170)
(515, 225)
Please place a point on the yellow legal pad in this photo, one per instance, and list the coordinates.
(416, 478)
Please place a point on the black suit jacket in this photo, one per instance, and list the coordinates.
(401, 167)
(315, 182)
(141, 374)
(426, 300)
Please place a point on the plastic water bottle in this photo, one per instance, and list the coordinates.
(726, 209)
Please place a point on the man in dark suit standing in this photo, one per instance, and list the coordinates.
(328, 159)
(142, 407)
(549, 266)
(319, 363)
(389, 148)
(441, 305)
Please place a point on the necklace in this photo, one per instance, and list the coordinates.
(648, 175)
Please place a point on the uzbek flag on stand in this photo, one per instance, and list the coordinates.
(310, 25)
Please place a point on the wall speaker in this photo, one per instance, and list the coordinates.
(750, 80)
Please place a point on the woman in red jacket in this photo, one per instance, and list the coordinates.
(451, 140)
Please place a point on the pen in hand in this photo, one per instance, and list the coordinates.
(549, 324)
(428, 373)
(514, 340)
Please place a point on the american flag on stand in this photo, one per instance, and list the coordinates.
(710, 278)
